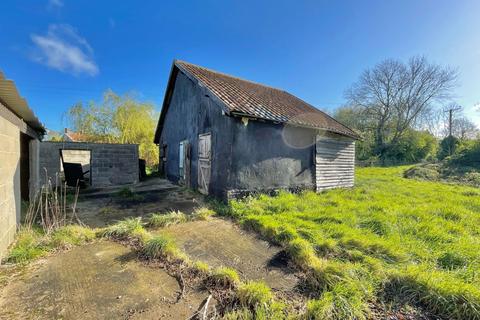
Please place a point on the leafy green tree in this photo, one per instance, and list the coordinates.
(448, 147)
(414, 146)
(117, 119)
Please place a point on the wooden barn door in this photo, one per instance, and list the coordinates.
(204, 162)
(334, 162)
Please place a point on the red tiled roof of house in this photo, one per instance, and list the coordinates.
(74, 136)
(252, 99)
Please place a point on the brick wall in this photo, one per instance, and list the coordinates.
(9, 183)
(111, 164)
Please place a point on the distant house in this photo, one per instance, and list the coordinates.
(228, 137)
(72, 136)
(20, 133)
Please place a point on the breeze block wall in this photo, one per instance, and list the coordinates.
(10, 201)
(111, 164)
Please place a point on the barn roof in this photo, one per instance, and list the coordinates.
(246, 98)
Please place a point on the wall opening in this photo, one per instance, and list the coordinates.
(75, 167)
(24, 166)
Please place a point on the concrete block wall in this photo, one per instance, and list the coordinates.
(10, 201)
(111, 164)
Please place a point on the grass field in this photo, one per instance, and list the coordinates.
(387, 241)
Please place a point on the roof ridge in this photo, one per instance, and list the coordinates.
(261, 101)
(229, 75)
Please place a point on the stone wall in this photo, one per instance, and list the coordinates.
(10, 202)
(111, 164)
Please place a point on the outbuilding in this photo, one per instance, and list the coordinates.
(229, 137)
(20, 133)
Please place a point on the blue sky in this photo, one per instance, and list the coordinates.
(60, 52)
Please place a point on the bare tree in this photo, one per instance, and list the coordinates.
(454, 121)
(464, 129)
(396, 95)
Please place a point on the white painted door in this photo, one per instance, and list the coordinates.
(204, 162)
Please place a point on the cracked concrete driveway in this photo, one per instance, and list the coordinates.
(102, 280)
(220, 242)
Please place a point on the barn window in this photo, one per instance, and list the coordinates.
(181, 157)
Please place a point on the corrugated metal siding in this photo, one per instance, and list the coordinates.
(334, 162)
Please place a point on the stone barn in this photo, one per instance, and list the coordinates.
(228, 137)
(20, 133)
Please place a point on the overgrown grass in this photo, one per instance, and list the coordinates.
(225, 276)
(389, 237)
(128, 229)
(162, 246)
(256, 301)
(201, 267)
(253, 294)
(33, 243)
(160, 220)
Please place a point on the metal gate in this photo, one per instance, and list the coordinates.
(204, 162)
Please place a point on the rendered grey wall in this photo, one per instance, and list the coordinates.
(192, 113)
(269, 156)
(111, 164)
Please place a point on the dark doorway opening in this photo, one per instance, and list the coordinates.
(25, 166)
(75, 165)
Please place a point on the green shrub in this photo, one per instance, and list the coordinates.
(448, 147)
(473, 178)
(253, 293)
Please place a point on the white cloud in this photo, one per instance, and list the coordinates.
(63, 49)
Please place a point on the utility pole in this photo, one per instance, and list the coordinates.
(450, 111)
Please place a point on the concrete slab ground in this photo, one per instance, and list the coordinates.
(220, 242)
(101, 207)
(105, 280)
(97, 281)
